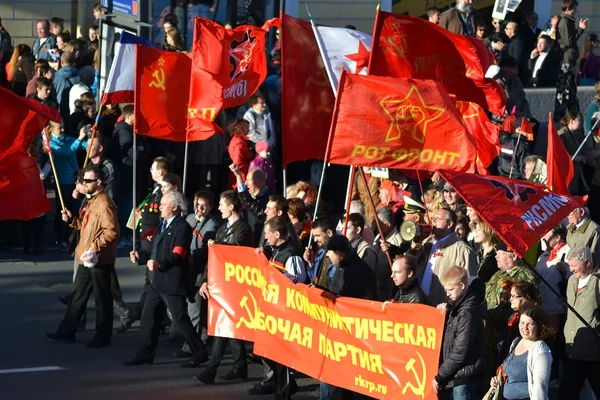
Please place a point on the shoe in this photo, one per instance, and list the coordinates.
(261, 390)
(97, 343)
(182, 354)
(135, 361)
(195, 362)
(235, 373)
(64, 300)
(60, 338)
(64, 245)
(124, 326)
(207, 376)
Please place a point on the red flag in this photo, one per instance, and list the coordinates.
(410, 47)
(162, 83)
(22, 194)
(558, 162)
(398, 123)
(526, 129)
(46, 141)
(235, 57)
(485, 133)
(307, 99)
(519, 212)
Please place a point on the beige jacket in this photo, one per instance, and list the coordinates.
(581, 342)
(99, 229)
(585, 236)
(454, 252)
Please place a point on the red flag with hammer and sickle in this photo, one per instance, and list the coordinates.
(162, 86)
(235, 57)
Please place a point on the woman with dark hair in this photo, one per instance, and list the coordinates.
(173, 41)
(522, 294)
(238, 148)
(589, 63)
(571, 134)
(527, 366)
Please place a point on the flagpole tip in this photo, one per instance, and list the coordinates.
(378, 7)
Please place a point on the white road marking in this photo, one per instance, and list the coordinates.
(34, 369)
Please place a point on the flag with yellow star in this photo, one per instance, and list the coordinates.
(411, 47)
(398, 123)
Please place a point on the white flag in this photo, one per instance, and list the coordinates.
(343, 48)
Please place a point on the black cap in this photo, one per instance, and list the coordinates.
(502, 247)
(339, 243)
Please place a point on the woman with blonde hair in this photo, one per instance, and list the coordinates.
(486, 253)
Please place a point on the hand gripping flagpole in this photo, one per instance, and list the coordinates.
(585, 139)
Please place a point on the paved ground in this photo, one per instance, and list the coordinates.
(29, 288)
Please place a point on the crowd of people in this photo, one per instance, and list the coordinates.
(506, 330)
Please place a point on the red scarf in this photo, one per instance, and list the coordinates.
(555, 250)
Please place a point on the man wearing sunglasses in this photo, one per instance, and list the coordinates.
(96, 253)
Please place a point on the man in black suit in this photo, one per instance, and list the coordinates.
(517, 49)
(170, 283)
(544, 64)
(530, 32)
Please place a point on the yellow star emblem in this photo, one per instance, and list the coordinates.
(467, 109)
(409, 114)
(161, 62)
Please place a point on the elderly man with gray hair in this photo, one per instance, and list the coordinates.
(170, 283)
(582, 343)
(583, 232)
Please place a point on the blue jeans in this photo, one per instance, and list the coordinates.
(324, 390)
(465, 392)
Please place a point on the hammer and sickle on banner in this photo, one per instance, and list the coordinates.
(395, 49)
(254, 320)
(419, 389)
(208, 114)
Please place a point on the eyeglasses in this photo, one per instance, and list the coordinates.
(89, 180)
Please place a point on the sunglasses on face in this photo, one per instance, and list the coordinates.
(89, 180)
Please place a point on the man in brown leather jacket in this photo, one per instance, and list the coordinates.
(96, 253)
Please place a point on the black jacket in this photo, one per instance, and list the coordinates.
(171, 248)
(579, 185)
(505, 158)
(383, 272)
(287, 257)
(411, 293)
(238, 234)
(150, 215)
(547, 75)
(463, 345)
(203, 231)
(353, 278)
(255, 211)
(517, 49)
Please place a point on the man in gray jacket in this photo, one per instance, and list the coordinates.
(205, 228)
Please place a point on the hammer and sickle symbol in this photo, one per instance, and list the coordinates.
(419, 389)
(159, 79)
(254, 320)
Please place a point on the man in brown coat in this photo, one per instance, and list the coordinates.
(460, 19)
(96, 253)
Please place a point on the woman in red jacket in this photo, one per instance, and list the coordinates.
(238, 148)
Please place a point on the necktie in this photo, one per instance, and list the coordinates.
(164, 226)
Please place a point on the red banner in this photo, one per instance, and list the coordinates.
(235, 57)
(306, 99)
(398, 123)
(520, 213)
(485, 133)
(410, 47)
(345, 342)
(162, 86)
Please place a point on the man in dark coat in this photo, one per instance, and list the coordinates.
(254, 195)
(235, 232)
(463, 346)
(543, 64)
(404, 275)
(169, 283)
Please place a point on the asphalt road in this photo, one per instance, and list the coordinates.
(29, 307)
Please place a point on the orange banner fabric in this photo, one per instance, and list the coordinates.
(345, 342)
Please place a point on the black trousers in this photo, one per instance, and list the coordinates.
(152, 316)
(574, 374)
(88, 279)
(33, 232)
(281, 378)
(238, 352)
